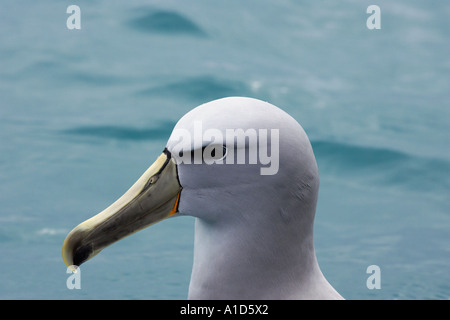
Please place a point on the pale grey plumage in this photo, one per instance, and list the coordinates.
(254, 221)
(253, 232)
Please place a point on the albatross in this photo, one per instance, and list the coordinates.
(253, 228)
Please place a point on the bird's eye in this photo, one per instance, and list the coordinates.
(214, 153)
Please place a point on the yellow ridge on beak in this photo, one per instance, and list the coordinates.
(154, 197)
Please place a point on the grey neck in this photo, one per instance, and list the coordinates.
(242, 262)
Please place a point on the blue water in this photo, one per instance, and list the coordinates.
(84, 112)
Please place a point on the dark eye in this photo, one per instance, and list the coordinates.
(215, 155)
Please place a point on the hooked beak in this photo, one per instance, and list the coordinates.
(154, 197)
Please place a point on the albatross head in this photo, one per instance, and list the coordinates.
(246, 170)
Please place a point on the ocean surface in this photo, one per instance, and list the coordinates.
(83, 113)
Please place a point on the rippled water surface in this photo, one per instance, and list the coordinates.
(83, 113)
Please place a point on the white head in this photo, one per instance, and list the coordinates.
(246, 170)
